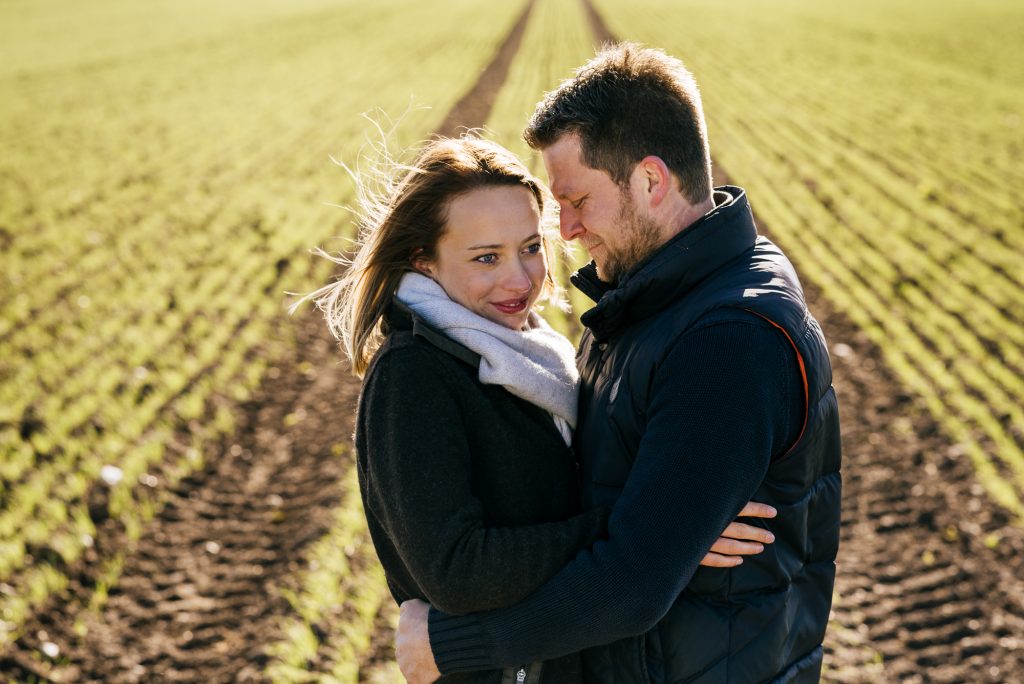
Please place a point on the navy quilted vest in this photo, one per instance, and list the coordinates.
(765, 620)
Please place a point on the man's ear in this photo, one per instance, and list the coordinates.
(652, 179)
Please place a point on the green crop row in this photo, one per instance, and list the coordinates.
(884, 164)
(162, 196)
(335, 602)
(557, 40)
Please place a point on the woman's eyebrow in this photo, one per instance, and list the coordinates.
(499, 246)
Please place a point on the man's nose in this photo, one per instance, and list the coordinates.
(569, 225)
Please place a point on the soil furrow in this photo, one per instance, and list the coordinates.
(473, 110)
(929, 588)
(194, 600)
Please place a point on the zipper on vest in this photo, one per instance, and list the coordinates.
(521, 675)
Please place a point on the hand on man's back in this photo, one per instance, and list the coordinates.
(412, 644)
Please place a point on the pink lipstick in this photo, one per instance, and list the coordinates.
(511, 306)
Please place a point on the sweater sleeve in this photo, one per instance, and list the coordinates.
(721, 405)
(418, 471)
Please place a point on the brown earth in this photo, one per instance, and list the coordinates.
(474, 108)
(194, 600)
(930, 584)
(930, 581)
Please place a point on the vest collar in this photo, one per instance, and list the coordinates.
(674, 269)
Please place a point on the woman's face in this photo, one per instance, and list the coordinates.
(490, 258)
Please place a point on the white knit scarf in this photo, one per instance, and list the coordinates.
(536, 364)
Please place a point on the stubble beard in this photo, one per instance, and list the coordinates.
(640, 235)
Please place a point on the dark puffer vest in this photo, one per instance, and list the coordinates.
(765, 620)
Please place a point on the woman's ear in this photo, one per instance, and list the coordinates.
(422, 264)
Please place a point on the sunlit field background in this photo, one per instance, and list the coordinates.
(167, 167)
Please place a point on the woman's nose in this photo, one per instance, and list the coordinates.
(516, 278)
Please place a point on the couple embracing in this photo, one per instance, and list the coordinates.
(661, 505)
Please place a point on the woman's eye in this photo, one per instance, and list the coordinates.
(579, 203)
(534, 248)
(487, 258)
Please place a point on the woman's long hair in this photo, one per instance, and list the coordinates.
(402, 213)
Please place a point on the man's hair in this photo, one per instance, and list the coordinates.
(626, 103)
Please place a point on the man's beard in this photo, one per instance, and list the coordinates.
(640, 237)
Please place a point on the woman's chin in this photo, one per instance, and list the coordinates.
(516, 321)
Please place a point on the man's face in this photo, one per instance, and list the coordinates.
(597, 212)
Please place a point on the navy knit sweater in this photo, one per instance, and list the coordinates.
(731, 391)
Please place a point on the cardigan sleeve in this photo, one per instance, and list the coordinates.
(418, 470)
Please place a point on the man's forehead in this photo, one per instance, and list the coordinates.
(566, 181)
(560, 187)
(565, 167)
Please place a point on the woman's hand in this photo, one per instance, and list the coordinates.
(412, 644)
(739, 540)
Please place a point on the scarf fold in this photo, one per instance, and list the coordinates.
(536, 364)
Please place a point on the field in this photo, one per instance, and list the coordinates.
(176, 493)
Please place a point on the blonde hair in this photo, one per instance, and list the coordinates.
(401, 214)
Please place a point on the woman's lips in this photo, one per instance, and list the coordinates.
(512, 306)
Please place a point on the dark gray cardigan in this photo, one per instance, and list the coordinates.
(471, 496)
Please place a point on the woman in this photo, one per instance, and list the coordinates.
(463, 433)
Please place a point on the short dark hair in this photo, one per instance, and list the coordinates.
(626, 103)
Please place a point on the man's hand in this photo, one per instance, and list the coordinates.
(412, 644)
(741, 540)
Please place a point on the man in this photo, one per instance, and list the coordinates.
(705, 383)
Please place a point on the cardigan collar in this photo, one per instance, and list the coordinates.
(400, 317)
